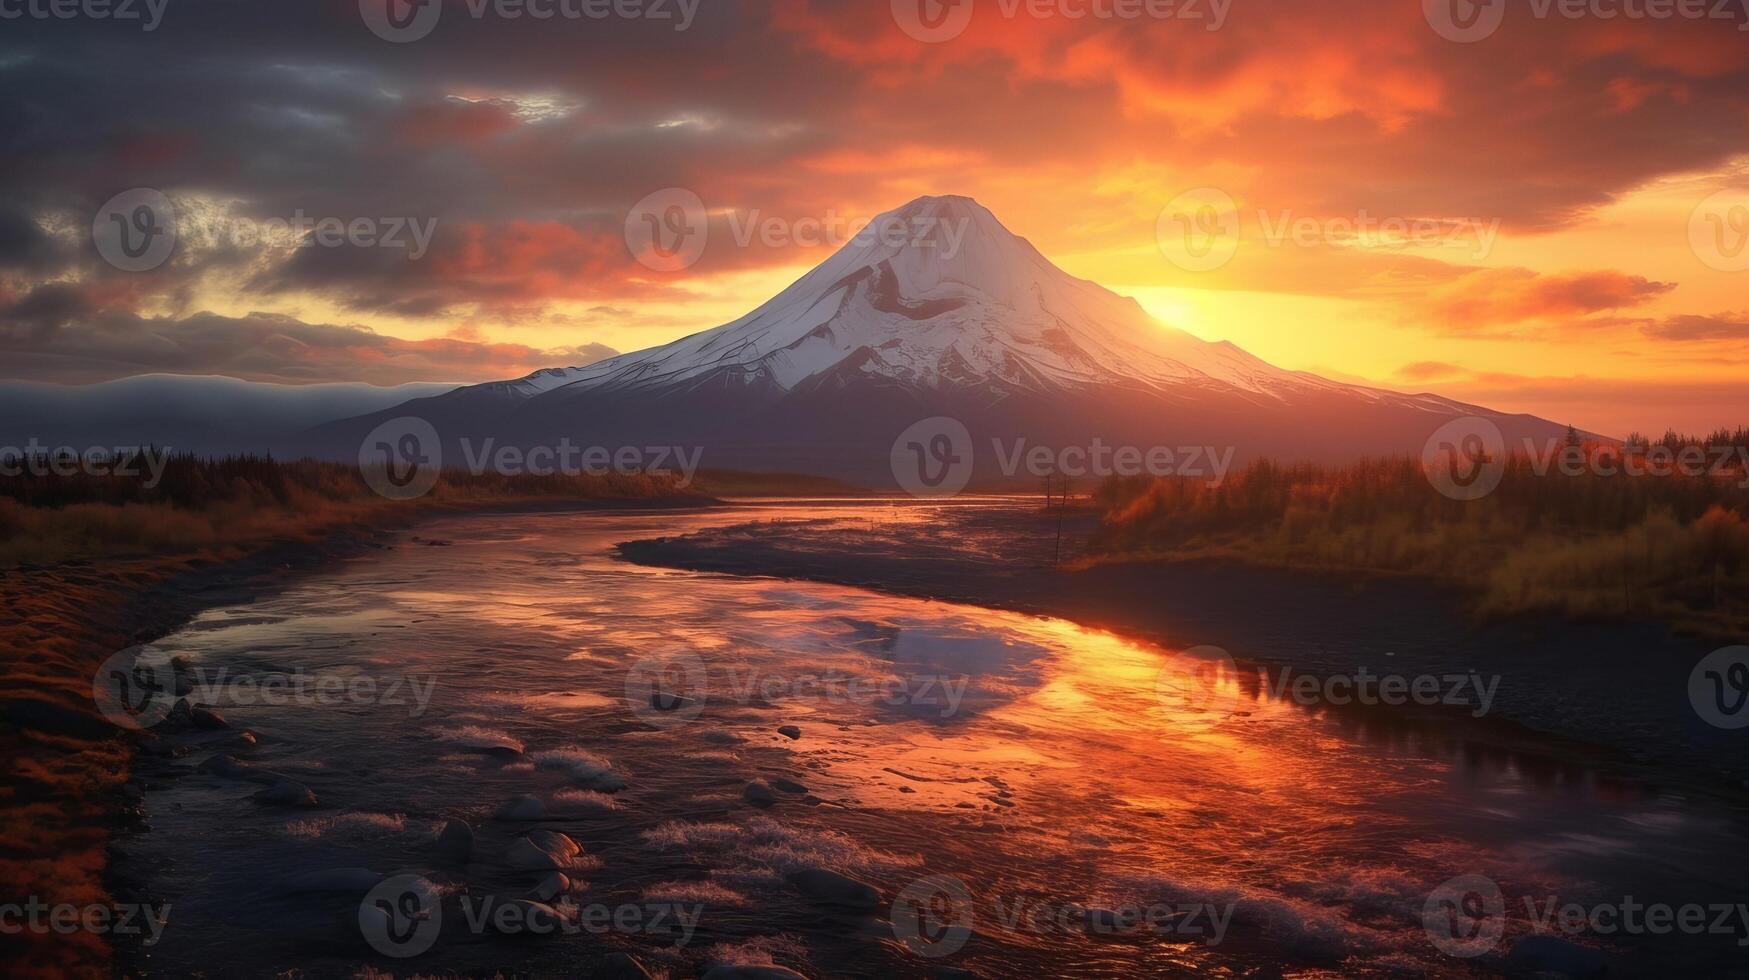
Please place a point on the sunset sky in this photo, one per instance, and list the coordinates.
(1590, 176)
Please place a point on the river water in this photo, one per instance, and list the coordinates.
(1026, 795)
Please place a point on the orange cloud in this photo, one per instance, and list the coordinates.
(1429, 370)
(1489, 298)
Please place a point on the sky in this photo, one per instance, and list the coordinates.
(1536, 205)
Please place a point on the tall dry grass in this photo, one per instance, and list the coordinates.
(1588, 545)
(233, 503)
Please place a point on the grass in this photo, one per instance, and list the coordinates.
(1670, 548)
(239, 502)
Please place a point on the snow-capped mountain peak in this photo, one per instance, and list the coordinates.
(937, 310)
(937, 293)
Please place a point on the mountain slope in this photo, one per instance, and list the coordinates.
(959, 300)
(938, 310)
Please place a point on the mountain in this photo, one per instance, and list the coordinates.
(197, 413)
(953, 316)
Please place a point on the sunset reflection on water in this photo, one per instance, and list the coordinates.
(1045, 766)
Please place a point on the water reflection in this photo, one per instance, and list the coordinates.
(1040, 764)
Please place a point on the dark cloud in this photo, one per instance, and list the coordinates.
(262, 347)
(43, 310)
(528, 140)
(494, 119)
(24, 246)
(502, 267)
(1721, 326)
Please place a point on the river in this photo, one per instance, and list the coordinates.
(1026, 795)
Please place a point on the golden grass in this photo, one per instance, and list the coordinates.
(231, 507)
(1674, 549)
(57, 798)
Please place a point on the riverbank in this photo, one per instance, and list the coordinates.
(70, 787)
(1568, 545)
(1575, 694)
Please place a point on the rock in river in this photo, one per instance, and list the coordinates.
(227, 767)
(521, 807)
(543, 850)
(456, 840)
(831, 888)
(208, 719)
(550, 886)
(286, 792)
